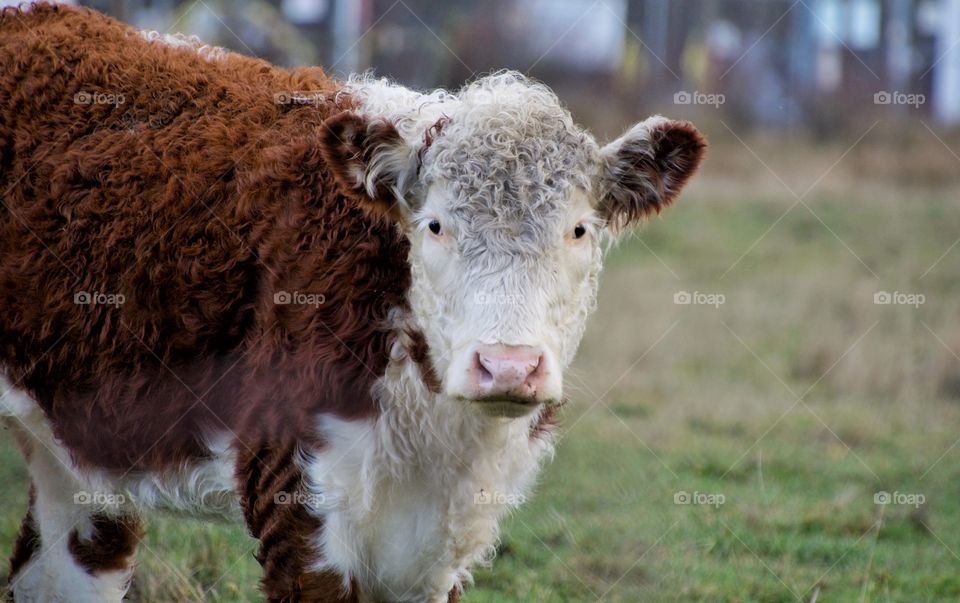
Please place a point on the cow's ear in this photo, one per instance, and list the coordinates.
(370, 160)
(644, 170)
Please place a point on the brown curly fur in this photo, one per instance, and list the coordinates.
(197, 199)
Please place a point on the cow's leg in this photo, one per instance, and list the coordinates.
(276, 508)
(26, 570)
(72, 547)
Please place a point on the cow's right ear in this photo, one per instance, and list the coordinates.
(370, 160)
(645, 169)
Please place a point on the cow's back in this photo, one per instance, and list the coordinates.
(155, 204)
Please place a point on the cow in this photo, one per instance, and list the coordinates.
(338, 311)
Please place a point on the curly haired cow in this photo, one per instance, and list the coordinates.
(337, 310)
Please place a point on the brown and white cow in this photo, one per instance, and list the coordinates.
(338, 311)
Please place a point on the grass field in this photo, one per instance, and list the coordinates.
(782, 414)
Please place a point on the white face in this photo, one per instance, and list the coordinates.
(503, 304)
(504, 200)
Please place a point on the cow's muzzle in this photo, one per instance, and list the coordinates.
(507, 380)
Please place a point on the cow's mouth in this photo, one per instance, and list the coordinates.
(506, 406)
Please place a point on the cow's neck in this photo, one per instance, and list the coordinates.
(417, 493)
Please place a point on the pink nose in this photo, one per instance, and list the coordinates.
(514, 371)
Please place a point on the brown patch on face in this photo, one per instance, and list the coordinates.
(110, 547)
(428, 137)
(420, 353)
(28, 541)
(546, 423)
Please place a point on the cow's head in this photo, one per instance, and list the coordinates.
(505, 202)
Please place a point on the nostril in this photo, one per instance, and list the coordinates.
(483, 372)
(535, 375)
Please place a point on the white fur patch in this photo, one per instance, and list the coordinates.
(207, 52)
(206, 489)
(412, 499)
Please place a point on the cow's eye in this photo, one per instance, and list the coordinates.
(579, 230)
(434, 227)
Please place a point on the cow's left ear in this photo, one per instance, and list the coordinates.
(644, 170)
(370, 160)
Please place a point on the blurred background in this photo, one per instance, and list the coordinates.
(767, 405)
(811, 63)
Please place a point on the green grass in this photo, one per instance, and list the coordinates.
(798, 513)
(669, 398)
